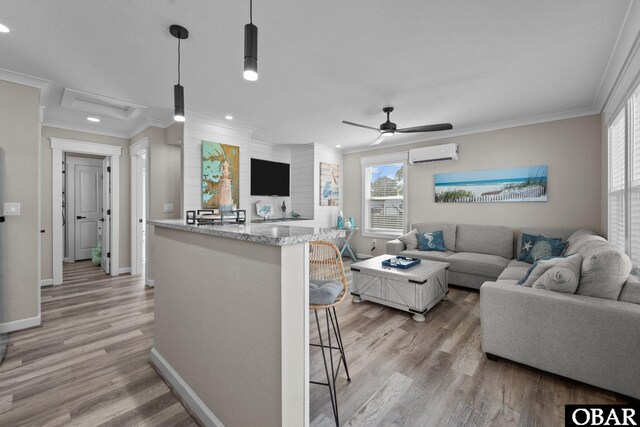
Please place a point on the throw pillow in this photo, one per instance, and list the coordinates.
(564, 277)
(547, 247)
(410, 240)
(431, 242)
(537, 270)
(528, 241)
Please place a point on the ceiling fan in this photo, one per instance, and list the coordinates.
(389, 128)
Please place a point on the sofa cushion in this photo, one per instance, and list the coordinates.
(513, 273)
(527, 242)
(410, 240)
(537, 269)
(563, 277)
(576, 237)
(448, 231)
(631, 291)
(605, 269)
(432, 241)
(516, 263)
(547, 247)
(582, 241)
(427, 255)
(485, 239)
(554, 233)
(479, 264)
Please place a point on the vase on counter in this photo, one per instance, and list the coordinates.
(347, 223)
(340, 224)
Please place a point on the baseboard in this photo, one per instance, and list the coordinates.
(187, 396)
(364, 256)
(126, 270)
(68, 260)
(46, 282)
(150, 283)
(16, 325)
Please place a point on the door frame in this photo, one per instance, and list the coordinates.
(70, 194)
(59, 147)
(135, 150)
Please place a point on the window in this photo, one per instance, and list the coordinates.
(384, 195)
(624, 180)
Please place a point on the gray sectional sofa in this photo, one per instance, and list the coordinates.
(592, 336)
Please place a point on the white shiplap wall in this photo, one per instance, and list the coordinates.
(303, 195)
(197, 129)
(274, 153)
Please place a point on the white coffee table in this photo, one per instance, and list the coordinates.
(415, 290)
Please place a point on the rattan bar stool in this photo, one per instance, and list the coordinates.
(327, 288)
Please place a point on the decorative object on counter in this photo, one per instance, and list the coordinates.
(220, 176)
(284, 209)
(346, 224)
(527, 184)
(340, 220)
(329, 184)
(191, 217)
(217, 216)
(294, 215)
(401, 262)
(264, 209)
(352, 222)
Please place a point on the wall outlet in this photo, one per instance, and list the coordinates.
(11, 209)
(373, 246)
(168, 207)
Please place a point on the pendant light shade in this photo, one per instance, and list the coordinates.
(180, 33)
(250, 48)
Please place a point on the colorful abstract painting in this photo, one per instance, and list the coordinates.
(528, 184)
(329, 184)
(220, 176)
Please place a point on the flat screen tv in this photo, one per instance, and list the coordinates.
(269, 178)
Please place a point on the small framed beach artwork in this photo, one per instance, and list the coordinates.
(527, 184)
(329, 184)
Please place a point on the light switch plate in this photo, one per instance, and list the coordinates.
(11, 209)
(168, 207)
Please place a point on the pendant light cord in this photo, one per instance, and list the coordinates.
(251, 11)
(178, 60)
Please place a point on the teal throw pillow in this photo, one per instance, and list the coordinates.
(547, 247)
(431, 241)
(528, 241)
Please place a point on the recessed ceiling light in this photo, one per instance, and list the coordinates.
(4, 29)
(338, 146)
(228, 117)
(94, 119)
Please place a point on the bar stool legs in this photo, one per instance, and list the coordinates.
(331, 318)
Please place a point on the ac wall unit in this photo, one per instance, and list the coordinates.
(435, 153)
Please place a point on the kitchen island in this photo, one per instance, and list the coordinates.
(231, 319)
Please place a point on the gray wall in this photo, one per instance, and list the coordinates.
(46, 202)
(20, 124)
(571, 148)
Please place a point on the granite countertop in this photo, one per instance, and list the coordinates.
(269, 234)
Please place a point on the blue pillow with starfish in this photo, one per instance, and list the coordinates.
(528, 242)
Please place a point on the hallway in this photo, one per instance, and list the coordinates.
(87, 363)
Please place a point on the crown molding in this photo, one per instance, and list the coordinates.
(86, 129)
(28, 80)
(486, 128)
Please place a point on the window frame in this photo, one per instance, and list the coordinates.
(386, 159)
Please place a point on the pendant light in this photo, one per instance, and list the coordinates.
(180, 33)
(250, 48)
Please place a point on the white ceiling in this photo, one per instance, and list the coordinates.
(471, 63)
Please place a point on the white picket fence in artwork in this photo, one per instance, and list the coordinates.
(505, 196)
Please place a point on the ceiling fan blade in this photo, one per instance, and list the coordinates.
(360, 126)
(378, 140)
(427, 128)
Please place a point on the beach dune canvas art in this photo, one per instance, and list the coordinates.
(527, 184)
(329, 184)
(220, 176)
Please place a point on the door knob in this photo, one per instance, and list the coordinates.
(81, 217)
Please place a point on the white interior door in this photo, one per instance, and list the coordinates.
(106, 217)
(87, 208)
(141, 210)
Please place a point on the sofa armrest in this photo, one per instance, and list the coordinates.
(593, 340)
(394, 247)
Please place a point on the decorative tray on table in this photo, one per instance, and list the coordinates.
(401, 262)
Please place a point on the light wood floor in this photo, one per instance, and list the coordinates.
(87, 363)
(405, 373)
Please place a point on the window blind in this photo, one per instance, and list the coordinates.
(634, 185)
(617, 172)
(384, 197)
